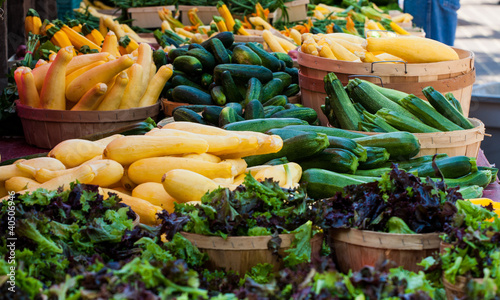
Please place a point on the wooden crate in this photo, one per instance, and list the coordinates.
(205, 13)
(297, 11)
(147, 17)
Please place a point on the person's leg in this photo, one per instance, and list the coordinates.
(445, 18)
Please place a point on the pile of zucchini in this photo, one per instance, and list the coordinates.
(365, 106)
(333, 158)
(252, 82)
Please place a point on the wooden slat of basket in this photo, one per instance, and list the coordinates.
(383, 240)
(236, 242)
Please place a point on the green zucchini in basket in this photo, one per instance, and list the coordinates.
(303, 113)
(322, 183)
(330, 131)
(400, 145)
(379, 121)
(454, 101)
(391, 94)
(444, 107)
(285, 133)
(414, 162)
(339, 101)
(376, 157)
(263, 125)
(427, 114)
(450, 167)
(333, 159)
(404, 123)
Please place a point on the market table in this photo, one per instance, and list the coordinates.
(13, 147)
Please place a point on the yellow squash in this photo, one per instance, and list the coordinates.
(74, 152)
(154, 193)
(146, 211)
(52, 94)
(186, 185)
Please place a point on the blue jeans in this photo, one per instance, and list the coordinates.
(438, 18)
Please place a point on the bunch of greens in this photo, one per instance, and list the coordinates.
(474, 252)
(399, 203)
(253, 209)
(75, 244)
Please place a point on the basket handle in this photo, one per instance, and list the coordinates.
(371, 76)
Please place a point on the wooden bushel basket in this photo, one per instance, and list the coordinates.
(353, 249)
(45, 128)
(241, 253)
(454, 143)
(456, 76)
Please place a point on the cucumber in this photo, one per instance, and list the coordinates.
(322, 183)
(206, 80)
(454, 101)
(285, 133)
(169, 96)
(195, 46)
(450, 167)
(187, 115)
(176, 52)
(159, 58)
(254, 110)
(253, 90)
(219, 52)
(226, 37)
(294, 72)
(282, 66)
(267, 59)
(211, 114)
(404, 123)
(332, 159)
(206, 58)
(443, 106)
(227, 115)
(271, 89)
(290, 106)
(347, 144)
(414, 162)
(294, 149)
(285, 58)
(218, 95)
(237, 108)
(236, 44)
(191, 95)
(188, 64)
(270, 110)
(263, 125)
(197, 108)
(400, 145)
(245, 56)
(427, 114)
(376, 157)
(303, 113)
(242, 73)
(378, 172)
(285, 77)
(292, 90)
(230, 89)
(183, 80)
(339, 101)
(279, 100)
(330, 131)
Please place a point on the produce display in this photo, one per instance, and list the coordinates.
(365, 106)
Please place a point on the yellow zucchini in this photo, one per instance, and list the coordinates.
(134, 90)
(146, 211)
(110, 44)
(186, 185)
(92, 98)
(154, 193)
(74, 152)
(340, 51)
(18, 184)
(76, 73)
(113, 97)
(203, 156)
(128, 149)
(105, 141)
(156, 85)
(272, 42)
(145, 59)
(126, 183)
(52, 94)
(238, 166)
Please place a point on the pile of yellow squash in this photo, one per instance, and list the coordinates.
(178, 163)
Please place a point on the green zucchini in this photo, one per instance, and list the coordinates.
(268, 60)
(270, 110)
(285, 58)
(254, 110)
(206, 58)
(253, 90)
(226, 37)
(182, 80)
(330, 131)
(332, 159)
(227, 115)
(372, 100)
(245, 56)
(427, 114)
(292, 90)
(450, 167)
(218, 96)
(347, 144)
(369, 127)
(188, 64)
(273, 88)
(415, 162)
(237, 108)
(303, 113)
(379, 121)
(280, 100)
(285, 77)
(443, 106)
(400, 145)
(285, 133)
(277, 161)
(294, 72)
(230, 89)
(391, 94)
(454, 101)
(219, 52)
(174, 53)
(322, 183)
(479, 178)
(494, 172)
(471, 192)
(211, 114)
(378, 172)
(191, 95)
(339, 101)
(242, 73)
(263, 125)
(187, 115)
(294, 149)
(376, 157)
(404, 123)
